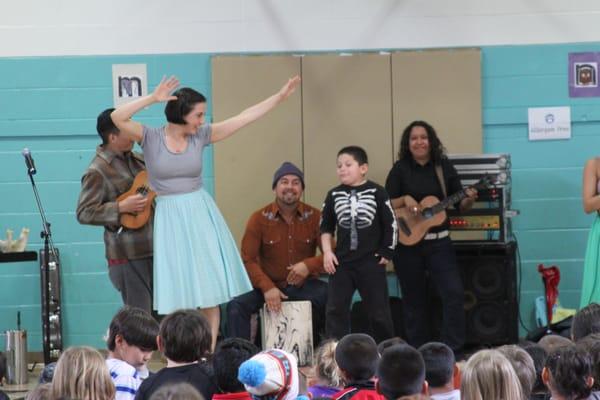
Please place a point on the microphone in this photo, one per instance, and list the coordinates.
(29, 161)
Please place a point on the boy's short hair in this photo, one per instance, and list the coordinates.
(439, 363)
(228, 356)
(522, 364)
(586, 321)
(177, 391)
(105, 125)
(401, 372)
(384, 344)
(356, 354)
(185, 336)
(358, 153)
(187, 98)
(552, 342)
(538, 355)
(136, 326)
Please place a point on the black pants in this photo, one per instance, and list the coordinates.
(369, 277)
(241, 308)
(412, 264)
(134, 281)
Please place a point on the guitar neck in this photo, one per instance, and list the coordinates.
(448, 201)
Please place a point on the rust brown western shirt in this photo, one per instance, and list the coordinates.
(270, 245)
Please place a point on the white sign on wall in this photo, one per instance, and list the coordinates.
(130, 81)
(548, 123)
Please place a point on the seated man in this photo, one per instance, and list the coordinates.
(279, 252)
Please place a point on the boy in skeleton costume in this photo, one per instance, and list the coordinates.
(361, 213)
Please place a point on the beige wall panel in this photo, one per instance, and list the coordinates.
(346, 101)
(244, 164)
(442, 87)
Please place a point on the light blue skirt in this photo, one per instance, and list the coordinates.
(196, 260)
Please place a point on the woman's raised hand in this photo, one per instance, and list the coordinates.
(289, 87)
(164, 89)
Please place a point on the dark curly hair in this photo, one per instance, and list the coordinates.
(436, 149)
(570, 368)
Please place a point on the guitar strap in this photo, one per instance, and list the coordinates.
(440, 176)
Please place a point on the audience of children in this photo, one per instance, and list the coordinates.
(392, 370)
(131, 341)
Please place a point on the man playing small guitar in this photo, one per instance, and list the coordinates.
(110, 175)
(423, 170)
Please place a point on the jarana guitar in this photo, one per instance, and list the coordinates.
(414, 227)
(139, 186)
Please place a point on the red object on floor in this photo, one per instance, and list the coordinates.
(551, 278)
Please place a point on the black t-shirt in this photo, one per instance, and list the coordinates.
(364, 221)
(194, 374)
(408, 177)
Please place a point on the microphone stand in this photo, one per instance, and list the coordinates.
(49, 261)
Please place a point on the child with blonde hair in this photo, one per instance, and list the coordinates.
(328, 379)
(489, 375)
(81, 373)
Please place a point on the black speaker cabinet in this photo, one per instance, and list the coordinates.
(489, 276)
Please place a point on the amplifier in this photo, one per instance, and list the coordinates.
(489, 219)
(475, 222)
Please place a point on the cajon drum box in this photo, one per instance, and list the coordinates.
(289, 330)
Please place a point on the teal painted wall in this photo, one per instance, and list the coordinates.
(547, 176)
(50, 105)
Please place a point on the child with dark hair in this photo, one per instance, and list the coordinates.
(591, 346)
(3, 396)
(184, 338)
(441, 372)
(382, 346)
(568, 375)
(228, 357)
(522, 363)
(401, 372)
(586, 321)
(359, 212)
(131, 341)
(356, 356)
(538, 355)
(177, 391)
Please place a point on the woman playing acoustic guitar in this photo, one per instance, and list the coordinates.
(417, 174)
(196, 261)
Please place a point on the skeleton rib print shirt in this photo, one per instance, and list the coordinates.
(364, 221)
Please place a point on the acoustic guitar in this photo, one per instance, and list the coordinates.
(432, 212)
(139, 186)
